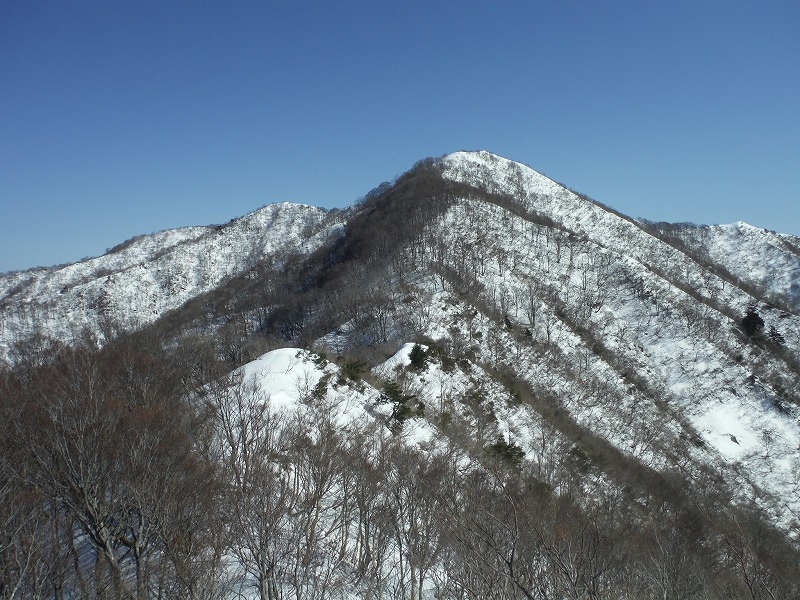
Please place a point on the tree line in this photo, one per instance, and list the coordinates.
(135, 471)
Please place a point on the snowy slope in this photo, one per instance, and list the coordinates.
(762, 259)
(288, 378)
(619, 325)
(135, 285)
(592, 343)
(581, 217)
(606, 275)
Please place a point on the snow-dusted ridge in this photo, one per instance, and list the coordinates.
(472, 308)
(138, 283)
(655, 306)
(764, 259)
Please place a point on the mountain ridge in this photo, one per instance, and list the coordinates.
(524, 247)
(161, 272)
(475, 310)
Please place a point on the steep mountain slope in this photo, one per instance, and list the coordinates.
(604, 360)
(761, 260)
(137, 282)
(620, 328)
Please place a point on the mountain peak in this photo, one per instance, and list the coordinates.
(507, 352)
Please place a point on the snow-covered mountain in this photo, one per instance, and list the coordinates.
(626, 351)
(761, 260)
(141, 279)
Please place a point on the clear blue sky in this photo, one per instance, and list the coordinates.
(119, 117)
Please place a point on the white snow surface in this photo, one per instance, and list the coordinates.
(289, 375)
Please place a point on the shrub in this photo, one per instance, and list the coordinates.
(405, 405)
(321, 389)
(580, 460)
(352, 370)
(507, 452)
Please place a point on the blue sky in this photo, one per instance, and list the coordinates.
(121, 118)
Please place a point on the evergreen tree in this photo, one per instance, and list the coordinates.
(775, 336)
(752, 322)
(418, 357)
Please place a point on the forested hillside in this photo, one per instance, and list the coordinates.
(473, 383)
